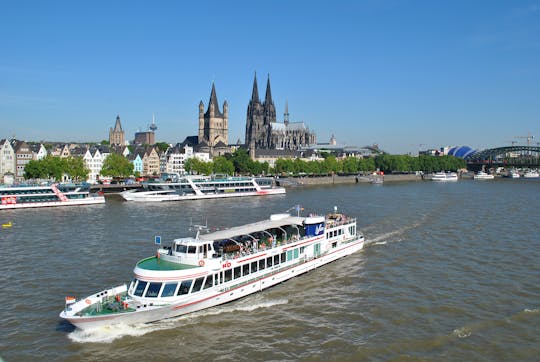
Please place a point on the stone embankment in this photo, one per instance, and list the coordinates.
(337, 179)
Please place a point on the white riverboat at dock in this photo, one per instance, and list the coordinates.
(194, 273)
(32, 196)
(444, 177)
(173, 187)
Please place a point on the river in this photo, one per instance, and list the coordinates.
(449, 272)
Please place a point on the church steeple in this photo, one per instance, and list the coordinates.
(268, 97)
(213, 105)
(118, 125)
(255, 92)
(286, 114)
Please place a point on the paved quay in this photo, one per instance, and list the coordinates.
(337, 179)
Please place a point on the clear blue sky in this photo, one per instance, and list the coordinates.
(396, 73)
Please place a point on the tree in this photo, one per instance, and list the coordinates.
(76, 168)
(162, 146)
(116, 165)
(223, 165)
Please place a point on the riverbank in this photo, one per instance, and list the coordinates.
(337, 179)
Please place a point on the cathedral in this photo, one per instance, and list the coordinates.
(264, 132)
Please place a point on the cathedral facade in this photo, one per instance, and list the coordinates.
(264, 132)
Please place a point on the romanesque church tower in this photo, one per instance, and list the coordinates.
(259, 117)
(116, 135)
(213, 125)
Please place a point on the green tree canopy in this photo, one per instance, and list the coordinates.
(116, 165)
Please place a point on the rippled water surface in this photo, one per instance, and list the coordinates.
(449, 272)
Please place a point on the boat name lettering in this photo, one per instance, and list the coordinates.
(226, 265)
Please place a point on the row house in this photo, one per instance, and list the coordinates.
(7, 159)
(23, 155)
(93, 159)
(137, 162)
(151, 162)
(177, 156)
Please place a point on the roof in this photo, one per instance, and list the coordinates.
(213, 101)
(252, 228)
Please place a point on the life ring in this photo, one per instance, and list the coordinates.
(201, 262)
(88, 301)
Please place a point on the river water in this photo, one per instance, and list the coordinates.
(448, 272)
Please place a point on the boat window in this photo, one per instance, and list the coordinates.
(261, 264)
(228, 275)
(334, 245)
(153, 290)
(184, 287)
(245, 269)
(283, 257)
(302, 248)
(168, 290)
(276, 259)
(269, 261)
(132, 285)
(295, 251)
(289, 255)
(192, 249)
(181, 248)
(140, 288)
(209, 283)
(237, 272)
(197, 285)
(254, 267)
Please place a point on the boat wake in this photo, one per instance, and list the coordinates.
(392, 236)
(108, 334)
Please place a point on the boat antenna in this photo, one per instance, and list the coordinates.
(296, 208)
(198, 227)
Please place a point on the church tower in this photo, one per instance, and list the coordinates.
(116, 135)
(213, 125)
(254, 119)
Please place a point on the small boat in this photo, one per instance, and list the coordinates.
(29, 196)
(531, 174)
(513, 174)
(444, 176)
(173, 187)
(194, 273)
(481, 175)
(7, 225)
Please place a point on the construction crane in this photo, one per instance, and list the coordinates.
(528, 138)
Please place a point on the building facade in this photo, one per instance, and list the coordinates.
(213, 125)
(264, 132)
(116, 134)
(23, 155)
(7, 158)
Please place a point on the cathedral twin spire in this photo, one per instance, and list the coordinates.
(255, 93)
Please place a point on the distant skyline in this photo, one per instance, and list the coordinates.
(406, 75)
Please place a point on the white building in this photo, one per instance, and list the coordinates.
(93, 159)
(177, 156)
(7, 158)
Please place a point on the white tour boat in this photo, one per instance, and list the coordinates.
(195, 273)
(531, 174)
(444, 176)
(19, 197)
(178, 188)
(513, 174)
(481, 175)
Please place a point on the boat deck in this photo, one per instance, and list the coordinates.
(155, 263)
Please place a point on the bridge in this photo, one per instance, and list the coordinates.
(509, 156)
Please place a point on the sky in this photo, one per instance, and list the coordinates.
(406, 75)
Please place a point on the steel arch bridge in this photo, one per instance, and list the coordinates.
(518, 156)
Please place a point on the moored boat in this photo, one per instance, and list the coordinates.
(531, 174)
(177, 188)
(481, 175)
(444, 176)
(19, 197)
(195, 273)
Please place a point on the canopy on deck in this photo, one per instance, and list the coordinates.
(252, 228)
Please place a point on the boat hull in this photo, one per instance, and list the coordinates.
(74, 202)
(152, 196)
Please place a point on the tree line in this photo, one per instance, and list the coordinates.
(115, 165)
